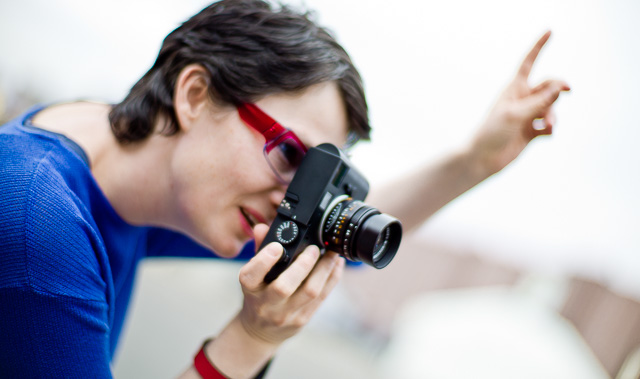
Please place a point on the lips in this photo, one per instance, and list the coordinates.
(249, 218)
(253, 216)
(246, 223)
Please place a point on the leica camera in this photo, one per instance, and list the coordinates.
(324, 206)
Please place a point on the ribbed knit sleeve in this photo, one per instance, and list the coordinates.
(55, 285)
(52, 336)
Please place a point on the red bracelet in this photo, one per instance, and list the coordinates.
(207, 370)
(203, 365)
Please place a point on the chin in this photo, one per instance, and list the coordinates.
(230, 249)
(224, 241)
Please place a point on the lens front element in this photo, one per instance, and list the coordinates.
(378, 240)
(361, 233)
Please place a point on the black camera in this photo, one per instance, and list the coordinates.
(324, 206)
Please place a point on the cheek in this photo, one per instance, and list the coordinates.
(210, 183)
(196, 184)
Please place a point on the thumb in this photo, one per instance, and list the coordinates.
(252, 274)
(259, 233)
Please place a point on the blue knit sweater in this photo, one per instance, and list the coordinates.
(67, 260)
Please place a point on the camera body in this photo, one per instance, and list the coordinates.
(323, 206)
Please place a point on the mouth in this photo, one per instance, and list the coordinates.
(246, 222)
(253, 217)
(250, 220)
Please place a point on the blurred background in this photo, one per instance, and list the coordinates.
(534, 273)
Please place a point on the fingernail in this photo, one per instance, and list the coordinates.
(275, 249)
(341, 262)
(334, 260)
(315, 251)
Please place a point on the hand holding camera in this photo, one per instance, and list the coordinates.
(274, 312)
(322, 210)
(323, 206)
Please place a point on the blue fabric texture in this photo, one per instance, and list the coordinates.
(67, 260)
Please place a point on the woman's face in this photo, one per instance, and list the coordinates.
(222, 183)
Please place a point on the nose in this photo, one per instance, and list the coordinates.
(277, 194)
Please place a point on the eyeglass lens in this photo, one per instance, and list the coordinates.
(284, 156)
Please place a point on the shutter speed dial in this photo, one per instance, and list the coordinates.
(287, 232)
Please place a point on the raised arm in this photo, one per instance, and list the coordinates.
(520, 114)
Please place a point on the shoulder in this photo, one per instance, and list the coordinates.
(47, 235)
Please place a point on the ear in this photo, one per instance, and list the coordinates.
(191, 95)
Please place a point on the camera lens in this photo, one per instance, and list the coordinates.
(382, 242)
(360, 232)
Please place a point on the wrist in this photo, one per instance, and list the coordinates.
(203, 365)
(237, 354)
(478, 161)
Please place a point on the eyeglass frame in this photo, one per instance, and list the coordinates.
(272, 131)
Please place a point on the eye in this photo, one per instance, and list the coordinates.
(290, 153)
(285, 157)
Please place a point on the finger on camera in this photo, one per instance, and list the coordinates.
(259, 233)
(334, 278)
(252, 274)
(290, 280)
(325, 267)
(309, 308)
(320, 282)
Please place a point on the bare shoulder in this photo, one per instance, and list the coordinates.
(86, 123)
(66, 118)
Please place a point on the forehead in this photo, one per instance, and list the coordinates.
(316, 114)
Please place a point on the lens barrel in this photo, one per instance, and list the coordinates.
(361, 233)
(378, 240)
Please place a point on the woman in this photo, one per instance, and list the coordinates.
(89, 189)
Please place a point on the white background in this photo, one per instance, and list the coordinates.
(569, 205)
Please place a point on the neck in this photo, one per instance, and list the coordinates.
(136, 180)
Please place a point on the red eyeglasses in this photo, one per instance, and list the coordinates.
(283, 149)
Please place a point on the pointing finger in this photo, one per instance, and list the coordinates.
(527, 63)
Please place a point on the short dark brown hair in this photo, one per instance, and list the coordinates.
(250, 50)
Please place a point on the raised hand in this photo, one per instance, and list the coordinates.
(520, 114)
